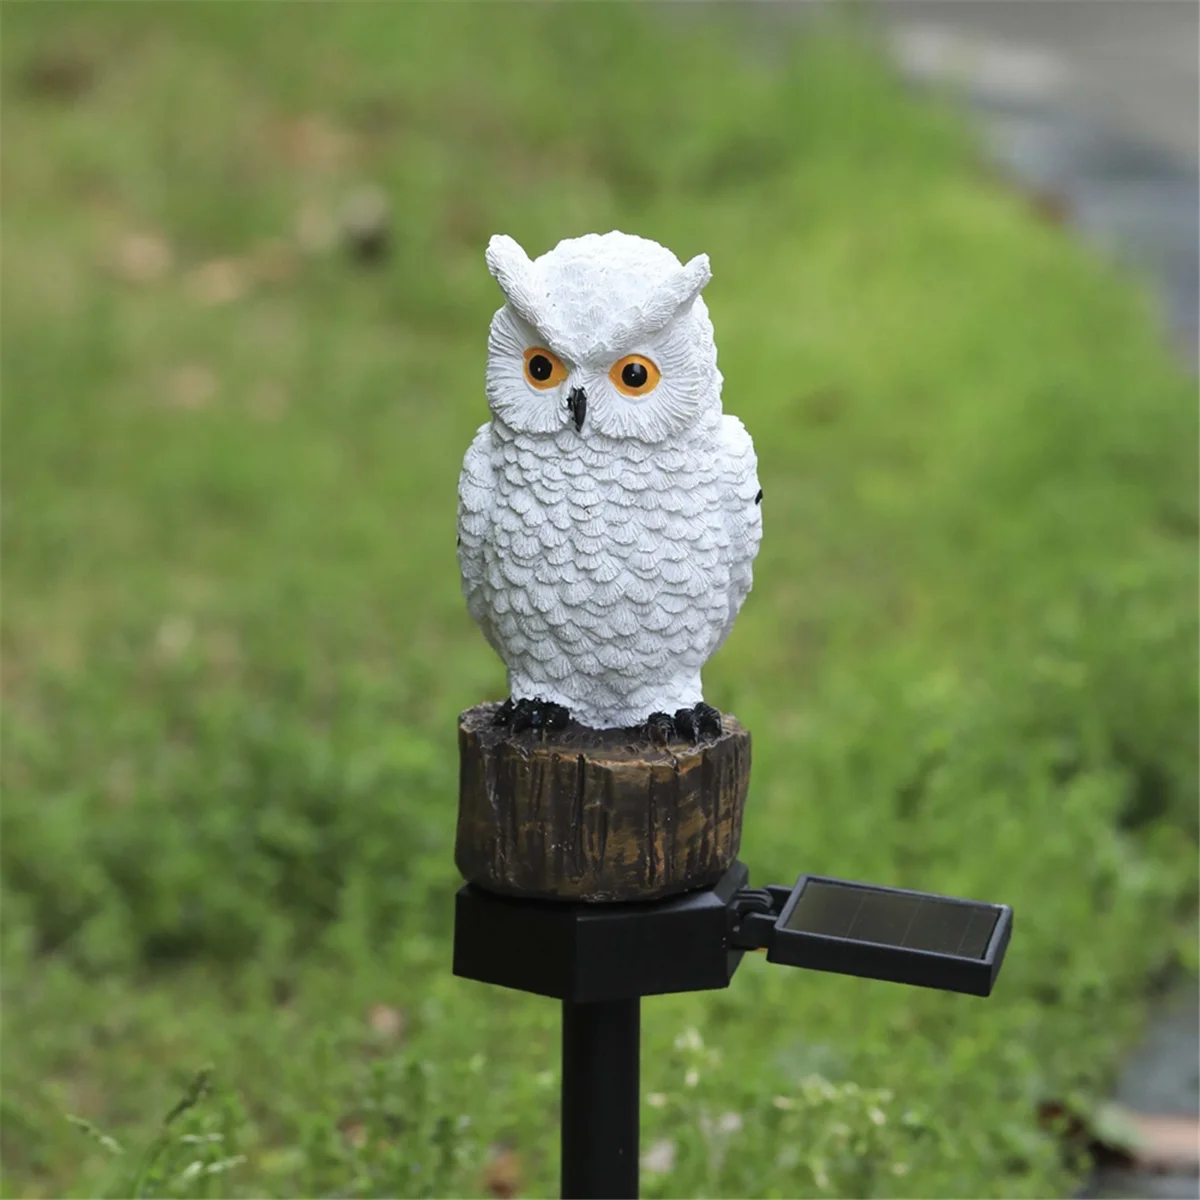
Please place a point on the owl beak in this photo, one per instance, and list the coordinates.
(577, 404)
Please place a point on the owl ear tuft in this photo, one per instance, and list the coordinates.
(692, 277)
(675, 295)
(511, 268)
(506, 260)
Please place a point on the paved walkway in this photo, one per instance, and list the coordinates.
(1130, 64)
(1092, 102)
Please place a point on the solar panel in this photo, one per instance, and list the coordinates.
(920, 922)
(893, 934)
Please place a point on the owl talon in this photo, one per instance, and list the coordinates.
(698, 724)
(660, 728)
(708, 722)
(542, 716)
(685, 724)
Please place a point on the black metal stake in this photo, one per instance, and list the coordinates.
(601, 1049)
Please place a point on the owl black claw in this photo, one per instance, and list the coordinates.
(708, 721)
(660, 728)
(685, 723)
(698, 724)
(542, 716)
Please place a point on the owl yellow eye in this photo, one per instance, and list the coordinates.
(543, 368)
(635, 375)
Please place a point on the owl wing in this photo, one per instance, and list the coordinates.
(476, 499)
(742, 498)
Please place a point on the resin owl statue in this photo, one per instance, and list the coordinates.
(609, 512)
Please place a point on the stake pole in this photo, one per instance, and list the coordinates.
(600, 1099)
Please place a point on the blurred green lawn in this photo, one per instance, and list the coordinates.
(234, 644)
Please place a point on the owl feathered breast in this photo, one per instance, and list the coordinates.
(605, 570)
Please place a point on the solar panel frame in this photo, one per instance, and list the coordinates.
(971, 974)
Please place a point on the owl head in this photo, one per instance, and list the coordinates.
(604, 334)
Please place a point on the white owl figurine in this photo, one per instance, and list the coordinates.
(609, 512)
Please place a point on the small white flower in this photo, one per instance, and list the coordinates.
(174, 636)
(876, 1115)
(692, 1077)
(660, 1158)
(656, 1099)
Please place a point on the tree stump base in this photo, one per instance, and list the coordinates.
(596, 815)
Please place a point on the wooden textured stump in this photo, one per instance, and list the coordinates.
(591, 815)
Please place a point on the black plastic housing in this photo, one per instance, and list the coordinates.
(597, 952)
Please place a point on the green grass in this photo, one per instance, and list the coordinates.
(234, 644)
